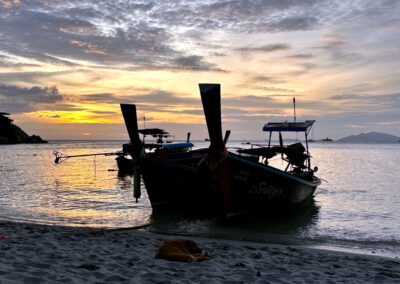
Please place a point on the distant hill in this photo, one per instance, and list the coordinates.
(12, 134)
(372, 137)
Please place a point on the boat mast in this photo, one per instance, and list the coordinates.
(294, 108)
(144, 127)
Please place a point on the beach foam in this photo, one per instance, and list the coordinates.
(36, 253)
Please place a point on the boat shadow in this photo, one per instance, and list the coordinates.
(285, 227)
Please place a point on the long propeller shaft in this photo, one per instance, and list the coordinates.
(60, 157)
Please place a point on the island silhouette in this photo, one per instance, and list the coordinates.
(371, 137)
(12, 134)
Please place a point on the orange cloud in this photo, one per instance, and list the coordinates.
(92, 48)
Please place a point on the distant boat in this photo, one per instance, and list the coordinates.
(327, 140)
(162, 143)
(311, 141)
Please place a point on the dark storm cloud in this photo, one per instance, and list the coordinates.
(17, 99)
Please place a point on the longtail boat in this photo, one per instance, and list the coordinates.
(215, 180)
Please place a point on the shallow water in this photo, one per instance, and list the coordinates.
(358, 205)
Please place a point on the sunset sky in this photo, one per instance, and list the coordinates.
(65, 66)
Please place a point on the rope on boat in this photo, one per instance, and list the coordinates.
(214, 162)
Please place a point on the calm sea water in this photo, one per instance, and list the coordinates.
(357, 207)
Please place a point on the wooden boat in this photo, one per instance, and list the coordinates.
(162, 142)
(218, 181)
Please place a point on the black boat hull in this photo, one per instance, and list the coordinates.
(125, 165)
(172, 185)
(253, 186)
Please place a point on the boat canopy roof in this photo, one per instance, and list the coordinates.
(178, 145)
(288, 126)
(153, 131)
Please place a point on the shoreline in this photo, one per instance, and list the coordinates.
(40, 253)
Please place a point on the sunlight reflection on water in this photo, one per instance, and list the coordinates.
(78, 192)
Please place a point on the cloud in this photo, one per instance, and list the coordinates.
(194, 63)
(267, 79)
(293, 24)
(60, 107)
(300, 56)
(34, 77)
(17, 99)
(78, 34)
(265, 48)
(152, 97)
(393, 98)
(368, 103)
(338, 50)
(103, 112)
(34, 94)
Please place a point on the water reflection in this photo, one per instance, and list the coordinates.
(359, 202)
(78, 192)
(255, 227)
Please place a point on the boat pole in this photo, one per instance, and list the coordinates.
(294, 108)
(130, 118)
(217, 153)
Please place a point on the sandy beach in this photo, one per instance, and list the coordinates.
(44, 254)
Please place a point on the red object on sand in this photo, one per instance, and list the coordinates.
(5, 237)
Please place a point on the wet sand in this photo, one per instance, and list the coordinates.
(43, 254)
